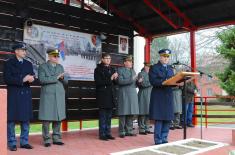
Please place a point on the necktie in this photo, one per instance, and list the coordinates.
(165, 67)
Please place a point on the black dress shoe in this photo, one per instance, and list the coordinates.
(190, 125)
(104, 138)
(122, 136)
(58, 143)
(110, 137)
(172, 128)
(26, 146)
(13, 148)
(47, 144)
(142, 133)
(178, 127)
(164, 142)
(130, 134)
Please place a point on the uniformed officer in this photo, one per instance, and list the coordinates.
(161, 101)
(52, 97)
(18, 75)
(177, 100)
(144, 93)
(127, 98)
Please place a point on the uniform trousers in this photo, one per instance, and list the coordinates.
(143, 122)
(24, 135)
(125, 124)
(56, 133)
(161, 131)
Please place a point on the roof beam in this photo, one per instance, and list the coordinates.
(187, 23)
(217, 24)
(142, 31)
(188, 8)
(158, 11)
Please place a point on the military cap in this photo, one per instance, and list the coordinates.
(53, 51)
(19, 46)
(128, 58)
(147, 64)
(164, 52)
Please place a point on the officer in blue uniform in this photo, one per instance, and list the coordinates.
(161, 101)
(18, 74)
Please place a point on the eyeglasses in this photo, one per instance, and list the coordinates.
(55, 56)
(106, 58)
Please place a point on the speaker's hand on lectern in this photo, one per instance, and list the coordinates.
(180, 84)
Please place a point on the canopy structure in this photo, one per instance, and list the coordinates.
(152, 18)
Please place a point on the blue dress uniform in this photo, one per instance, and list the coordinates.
(161, 102)
(19, 98)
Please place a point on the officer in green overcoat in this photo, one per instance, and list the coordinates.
(52, 98)
(127, 98)
(144, 94)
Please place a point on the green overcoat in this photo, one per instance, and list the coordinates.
(127, 94)
(52, 97)
(144, 93)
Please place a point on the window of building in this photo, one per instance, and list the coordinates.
(209, 79)
(209, 92)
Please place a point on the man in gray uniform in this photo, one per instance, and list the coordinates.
(177, 99)
(52, 99)
(144, 94)
(127, 98)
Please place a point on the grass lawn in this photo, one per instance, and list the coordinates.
(71, 125)
(211, 120)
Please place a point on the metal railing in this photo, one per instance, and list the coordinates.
(210, 101)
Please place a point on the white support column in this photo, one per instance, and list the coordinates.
(139, 44)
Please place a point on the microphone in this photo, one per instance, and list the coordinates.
(209, 75)
(176, 63)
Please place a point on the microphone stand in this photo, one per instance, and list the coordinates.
(201, 99)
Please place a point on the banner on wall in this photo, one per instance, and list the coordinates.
(79, 52)
(123, 44)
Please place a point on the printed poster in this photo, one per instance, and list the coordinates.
(79, 52)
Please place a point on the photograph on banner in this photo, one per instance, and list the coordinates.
(79, 52)
(123, 44)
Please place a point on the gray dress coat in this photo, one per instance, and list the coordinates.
(177, 95)
(177, 99)
(127, 94)
(52, 98)
(144, 93)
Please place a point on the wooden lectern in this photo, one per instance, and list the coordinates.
(180, 77)
(173, 81)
